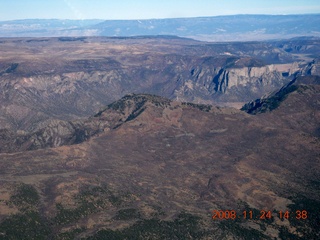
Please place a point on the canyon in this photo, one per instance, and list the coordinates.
(145, 137)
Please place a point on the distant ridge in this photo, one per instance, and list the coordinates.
(218, 28)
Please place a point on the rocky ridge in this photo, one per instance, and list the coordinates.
(271, 102)
(159, 164)
(47, 105)
(36, 86)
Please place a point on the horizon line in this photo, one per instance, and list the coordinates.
(143, 19)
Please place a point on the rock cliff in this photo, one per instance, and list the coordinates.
(36, 87)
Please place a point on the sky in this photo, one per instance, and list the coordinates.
(148, 9)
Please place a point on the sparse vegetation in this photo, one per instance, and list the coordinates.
(127, 214)
(99, 195)
(241, 232)
(29, 225)
(91, 199)
(201, 107)
(186, 226)
(66, 215)
(285, 234)
(70, 235)
(177, 156)
(307, 227)
(25, 197)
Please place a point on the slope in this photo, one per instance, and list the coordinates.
(164, 167)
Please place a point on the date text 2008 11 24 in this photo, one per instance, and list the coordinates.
(263, 214)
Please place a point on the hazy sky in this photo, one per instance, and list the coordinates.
(144, 9)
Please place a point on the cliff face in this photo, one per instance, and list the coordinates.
(66, 95)
(74, 175)
(80, 77)
(240, 84)
(274, 100)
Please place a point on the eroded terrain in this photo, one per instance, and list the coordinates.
(163, 159)
(74, 164)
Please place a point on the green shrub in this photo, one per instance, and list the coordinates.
(25, 194)
(25, 226)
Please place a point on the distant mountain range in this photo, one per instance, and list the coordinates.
(219, 28)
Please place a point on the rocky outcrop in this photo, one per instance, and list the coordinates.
(157, 158)
(273, 101)
(64, 87)
(231, 84)
(54, 133)
(28, 101)
(313, 68)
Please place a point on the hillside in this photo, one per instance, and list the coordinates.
(159, 168)
(143, 138)
(64, 79)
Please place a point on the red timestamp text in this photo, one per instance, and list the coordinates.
(258, 215)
